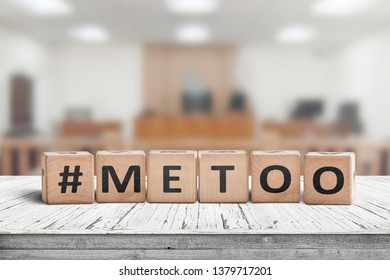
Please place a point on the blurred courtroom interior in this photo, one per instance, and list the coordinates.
(312, 75)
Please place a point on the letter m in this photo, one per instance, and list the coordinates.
(121, 186)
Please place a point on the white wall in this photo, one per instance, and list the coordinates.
(107, 79)
(21, 54)
(276, 77)
(364, 75)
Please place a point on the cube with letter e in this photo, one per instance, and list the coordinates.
(171, 176)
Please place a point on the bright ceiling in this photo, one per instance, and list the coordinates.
(230, 21)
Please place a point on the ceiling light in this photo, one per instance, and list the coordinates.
(296, 34)
(192, 6)
(340, 7)
(45, 7)
(192, 34)
(89, 33)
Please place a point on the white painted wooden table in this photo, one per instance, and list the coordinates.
(30, 229)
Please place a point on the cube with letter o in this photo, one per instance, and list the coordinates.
(276, 176)
(329, 178)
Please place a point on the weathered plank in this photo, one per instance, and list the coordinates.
(192, 241)
(229, 254)
(22, 211)
(31, 229)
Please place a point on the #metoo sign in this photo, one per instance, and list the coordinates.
(171, 176)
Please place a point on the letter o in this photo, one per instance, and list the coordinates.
(264, 178)
(317, 177)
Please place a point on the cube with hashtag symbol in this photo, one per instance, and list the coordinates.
(67, 178)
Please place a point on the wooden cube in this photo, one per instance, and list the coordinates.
(120, 176)
(276, 176)
(223, 176)
(171, 176)
(329, 178)
(67, 177)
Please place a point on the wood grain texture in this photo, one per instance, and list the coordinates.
(79, 170)
(192, 241)
(223, 176)
(336, 188)
(284, 179)
(122, 163)
(172, 176)
(232, 254)
(30, 229)
(22, 211)
(241, 246)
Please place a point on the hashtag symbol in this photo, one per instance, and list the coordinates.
(65, 179)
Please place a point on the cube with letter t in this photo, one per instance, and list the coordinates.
(223, 176)
(171, 176)
(120, 176)
(329, 178)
